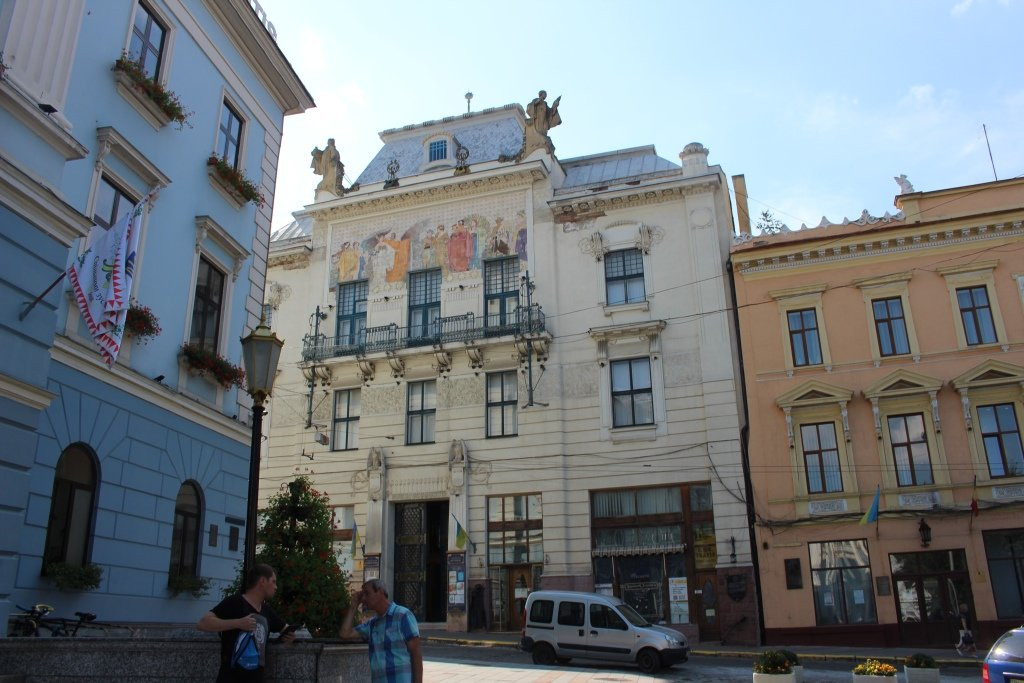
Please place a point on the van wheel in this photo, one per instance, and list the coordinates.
(648, 660)
(543, 654)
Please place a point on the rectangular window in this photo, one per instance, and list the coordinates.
(1001, 436)
(501, 294)
(230, 135)
(515, 529)
(803, 337)
(632, 400)
(147, 44)
(624, 277)
(424, 305)
(910, 450)
(438, 150)
(890, 326)
(1005, 551)
(206, 309)
(422, 410)
(351, 323)
(111, 204)
(502, 395)
(821, 457)
(976, 314)
(841, 579)
(345, 429)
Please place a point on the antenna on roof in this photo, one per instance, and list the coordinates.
(469, 96)
(985, 130)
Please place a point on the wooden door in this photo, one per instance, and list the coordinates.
(411, 557)
(520, 584)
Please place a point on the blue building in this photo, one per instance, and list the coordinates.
(140, 468)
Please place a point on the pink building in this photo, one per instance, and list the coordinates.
(887, 354)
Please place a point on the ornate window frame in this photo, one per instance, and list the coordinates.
(815, 402)
(901, 393)
(889, 287)
(978, 273)
(622, 342)
(620, 236)
(988, 383)
(795, 299)
(447, 161)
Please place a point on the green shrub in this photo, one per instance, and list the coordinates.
(198, 586)
(772, 662)
(74, 577)
(919, 660)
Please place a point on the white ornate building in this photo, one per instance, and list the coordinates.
(537, 351)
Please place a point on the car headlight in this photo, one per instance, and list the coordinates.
(672, 640)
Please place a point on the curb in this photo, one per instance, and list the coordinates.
(472, 643)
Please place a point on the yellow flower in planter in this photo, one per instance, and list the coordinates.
(873, 667)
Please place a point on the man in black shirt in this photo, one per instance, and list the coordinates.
(246, 612)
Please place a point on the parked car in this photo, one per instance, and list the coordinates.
(1005, 661)
(560, 625)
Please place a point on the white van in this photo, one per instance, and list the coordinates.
(560, 625)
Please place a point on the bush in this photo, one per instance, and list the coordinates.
(791, 656)
(772, 662)
(873, 667)
(65, 576)
(198, 586)
(919, 660)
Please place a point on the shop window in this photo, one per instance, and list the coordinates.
(72, 507)
(515, 529)
(1005, 551)
(185, 535)
(841, 581)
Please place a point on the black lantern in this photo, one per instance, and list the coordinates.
(261, 350)
(926, 533)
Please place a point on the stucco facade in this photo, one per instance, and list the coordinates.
(470, 397)
(885, 354)
(140, 468)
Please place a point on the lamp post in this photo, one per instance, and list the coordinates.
(261, 350)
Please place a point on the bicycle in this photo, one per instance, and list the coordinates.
(31, 622)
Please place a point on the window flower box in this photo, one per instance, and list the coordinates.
(205, 363)
(141, 323)
(156, 103)
(233, 182)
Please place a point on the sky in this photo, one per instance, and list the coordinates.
(819, 104)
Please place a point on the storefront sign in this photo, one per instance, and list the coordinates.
(705, 555)
(826, 507)
(1003, 492)
(457, 582)
(371, 567)
(919, 500)
(679, 599)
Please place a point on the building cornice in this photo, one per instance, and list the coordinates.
(39, 204)
(290, 257)
(648, 328)
(26, 394)
(27, 111)
(594, 201)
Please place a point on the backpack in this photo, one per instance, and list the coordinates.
(245, 655)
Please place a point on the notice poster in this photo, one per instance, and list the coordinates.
(457, 582)
(679, 599)
(371, 567)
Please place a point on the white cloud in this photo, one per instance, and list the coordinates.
(961, 7)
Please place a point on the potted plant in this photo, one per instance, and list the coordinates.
(84, 577)
(772, 666)
(131, 72)
(234, 180)
(141, 323)
(921, 668)
(794, 664)
(872, 670)
(206, 363)
(198, 586)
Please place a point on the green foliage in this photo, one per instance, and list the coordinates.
(873, 667)
(65, 576)
(772, 662)
(295, 539)
(151, 88)
(791, 657)
(224, 372)
(768, 224)
(919, 660)
(198, 586)
(245, 187)
(141, 322)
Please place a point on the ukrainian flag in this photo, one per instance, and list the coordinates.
(872, 514)
(461, 537)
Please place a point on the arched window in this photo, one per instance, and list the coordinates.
(188, 510)
(71, 507)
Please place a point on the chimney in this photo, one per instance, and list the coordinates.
(739, 187)
(695, 160)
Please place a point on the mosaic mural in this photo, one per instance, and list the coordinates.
(385, 257)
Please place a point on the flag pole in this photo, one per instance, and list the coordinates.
(29, 305)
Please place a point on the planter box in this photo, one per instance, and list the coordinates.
(774, 678)
(225, 188)
(798, 672)
(149, 109)
(919, 675)
(861, 678)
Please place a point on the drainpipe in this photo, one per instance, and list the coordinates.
(745, 440)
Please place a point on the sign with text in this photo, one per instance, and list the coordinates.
(456, 582)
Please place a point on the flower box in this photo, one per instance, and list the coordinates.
(870, 678)
(233, 183)
(775, 678)
(202, 362)
(157, 104)
(874, 671)
(141, 323)
(921, 675)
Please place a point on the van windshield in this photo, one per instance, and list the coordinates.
(631, 615)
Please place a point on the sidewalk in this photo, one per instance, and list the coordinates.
(945, 657)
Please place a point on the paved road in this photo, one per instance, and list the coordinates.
(462, 664)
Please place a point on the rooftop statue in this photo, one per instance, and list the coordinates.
(905, 186)
(327, 163)
(542, 118)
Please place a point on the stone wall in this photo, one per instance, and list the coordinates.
(108, 660)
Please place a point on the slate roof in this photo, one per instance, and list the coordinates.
(616, 167)
(485, 135)
(300, 228)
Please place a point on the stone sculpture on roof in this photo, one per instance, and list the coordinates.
(542, 118)
(905, 186)
(327, 163)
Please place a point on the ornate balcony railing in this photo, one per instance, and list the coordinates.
(448, 330)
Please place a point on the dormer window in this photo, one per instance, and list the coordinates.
(438, 150)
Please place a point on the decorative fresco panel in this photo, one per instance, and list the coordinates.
(455, 238)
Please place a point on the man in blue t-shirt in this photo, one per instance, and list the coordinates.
(394, 637)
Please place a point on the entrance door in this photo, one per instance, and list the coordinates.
(520, 578)
(930, 586)
(421, 542)
(704, 605)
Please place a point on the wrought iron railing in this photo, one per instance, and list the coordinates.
(447, 330)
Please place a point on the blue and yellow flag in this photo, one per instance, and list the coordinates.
(355, 537)
(461, 537)
(872, 514)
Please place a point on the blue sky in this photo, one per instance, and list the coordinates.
(818, 104)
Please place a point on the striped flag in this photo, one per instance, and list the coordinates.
(872, 514)
(101, 280)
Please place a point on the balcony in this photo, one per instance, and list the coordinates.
(466, 328)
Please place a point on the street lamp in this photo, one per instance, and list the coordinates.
(261, 350)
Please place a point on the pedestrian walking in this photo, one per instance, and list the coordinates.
(966, 643)
(393, 635)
